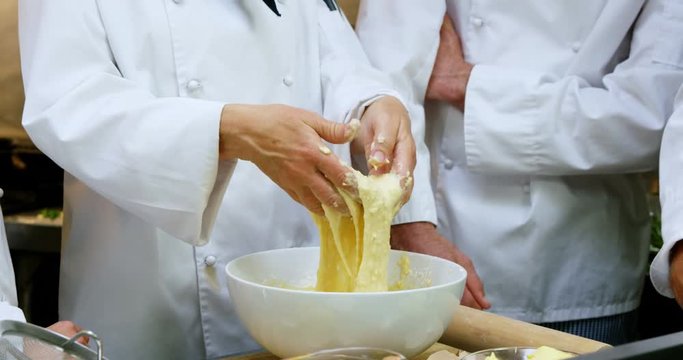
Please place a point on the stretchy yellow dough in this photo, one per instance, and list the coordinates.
(354, 250)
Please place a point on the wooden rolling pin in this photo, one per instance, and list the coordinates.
(473, 330)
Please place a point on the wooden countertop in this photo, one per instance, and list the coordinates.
(268, 356)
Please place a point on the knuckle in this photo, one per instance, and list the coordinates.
(308, 154)
(311, 203)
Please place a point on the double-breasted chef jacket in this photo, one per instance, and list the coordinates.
(538, 180)
(126, 96)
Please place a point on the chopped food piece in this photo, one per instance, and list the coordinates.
(50, 213)
(443, 355)
(492, 357)
(548, 353)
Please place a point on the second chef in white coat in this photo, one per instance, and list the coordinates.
(128, 97)
(535, 180)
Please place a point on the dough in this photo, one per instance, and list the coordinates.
(354, 250)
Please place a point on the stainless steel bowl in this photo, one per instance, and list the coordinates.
(506, 353)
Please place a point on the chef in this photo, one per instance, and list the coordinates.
(537, 126)
(666, 271)
(8, 291)
(152, 107)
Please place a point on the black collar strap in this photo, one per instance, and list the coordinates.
(272, 6)
(331, 4)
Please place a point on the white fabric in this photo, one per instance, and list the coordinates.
(534, 181)
(8, 290)
(671, 196)
(126, 96)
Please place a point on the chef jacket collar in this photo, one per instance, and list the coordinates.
(331, 4)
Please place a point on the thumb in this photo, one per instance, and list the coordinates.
(379, 154)
(333, 132)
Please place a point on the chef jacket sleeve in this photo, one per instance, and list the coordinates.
(10, 312)
(156, 157)
(350, 82)
(671, 196)
(527, 122)
(400, 38)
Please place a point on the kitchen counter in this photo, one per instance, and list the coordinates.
(473, 330)
(30, 232)
(267, 356)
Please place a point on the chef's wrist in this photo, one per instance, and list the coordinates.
(231, 123)
(401, 234)
(676, 254)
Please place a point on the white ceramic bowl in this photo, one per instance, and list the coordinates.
(296, 322)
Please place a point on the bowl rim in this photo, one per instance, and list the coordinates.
(472, 355)
(460, 268)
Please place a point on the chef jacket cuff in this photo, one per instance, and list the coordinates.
(358, 111)
(216, 176)
(672, 232)
(224, 173)
(9, 312)
(501, 136)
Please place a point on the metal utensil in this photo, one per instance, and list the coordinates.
(504, 353)
(23, 341)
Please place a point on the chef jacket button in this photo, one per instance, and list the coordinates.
(576, 46)
(477, 21)
(193, 85)
(210, 260)
(448, 164)
(288, 80)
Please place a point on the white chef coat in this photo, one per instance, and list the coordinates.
(536, 181)
(126, 96)
(8, 290)
(671, 196)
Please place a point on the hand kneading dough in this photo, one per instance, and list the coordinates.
(354, 250)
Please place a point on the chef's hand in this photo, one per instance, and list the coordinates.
(422, 237)
(451, 72)
(68, 329)
(386, 141)
(286, 143)
(676, 272)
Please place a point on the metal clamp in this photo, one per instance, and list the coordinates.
(84, 333)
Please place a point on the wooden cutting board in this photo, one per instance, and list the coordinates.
(474, 330)
(268, 356)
